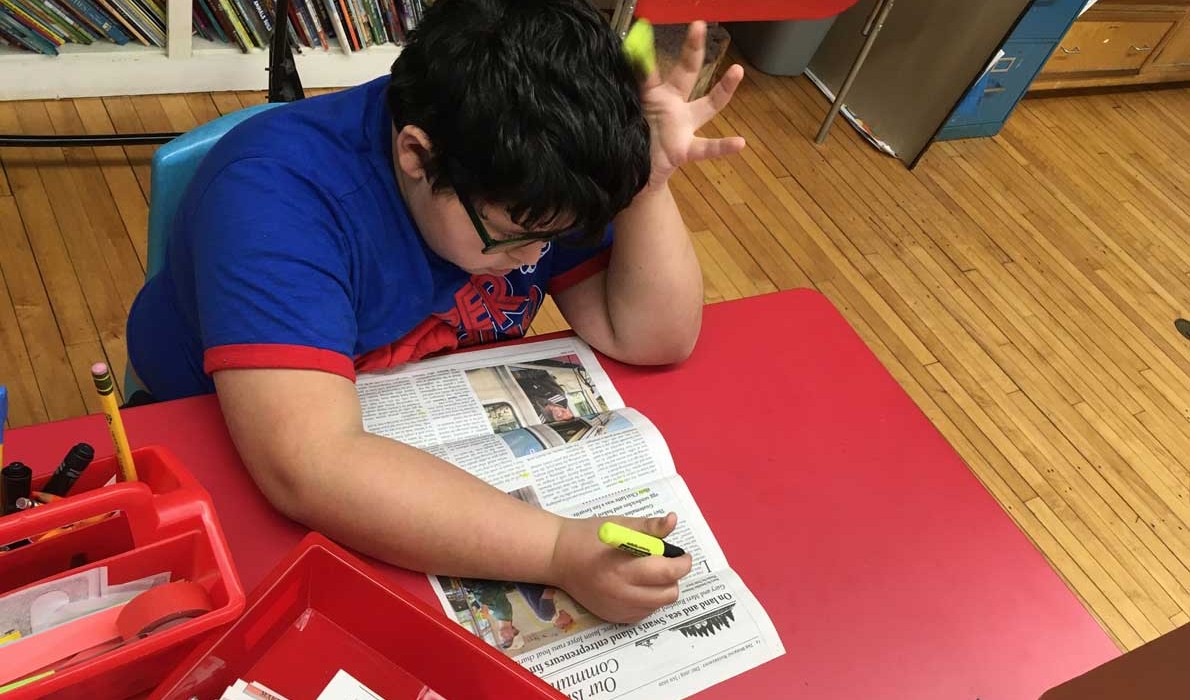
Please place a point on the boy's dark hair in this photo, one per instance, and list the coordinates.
(529, 104)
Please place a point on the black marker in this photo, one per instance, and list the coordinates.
(70, 469)
(16, 481)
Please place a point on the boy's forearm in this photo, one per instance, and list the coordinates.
(654, 282)
(409, 508)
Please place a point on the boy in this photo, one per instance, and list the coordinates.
(415, 214)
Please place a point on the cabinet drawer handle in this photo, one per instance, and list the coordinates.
(1142, 49)
(1075, 50)
(994, 90)
(1004, 64)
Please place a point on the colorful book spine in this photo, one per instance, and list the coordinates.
(381, 27)
(362, 25)
(265, 17)
(349, 26)
(243, 38)
(79, 31)
(337, 25)
(199, 21)
(23, 35)
(216, 29)
(155, 9)
(148, 17)
(33, 22)
(251, 22)
(311, 7)
(221, 16)
(396, 30)
(132, 12)
(410, 17)
(36, 19)
(299, 24)
(318, 7)
(111, 8)
(308, 22)
(99, 19)
(83, 20)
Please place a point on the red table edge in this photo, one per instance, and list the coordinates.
(685, 11)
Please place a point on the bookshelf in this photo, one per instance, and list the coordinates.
(187, 64)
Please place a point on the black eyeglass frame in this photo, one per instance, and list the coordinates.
(493, 245)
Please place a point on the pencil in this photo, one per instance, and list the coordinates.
(106, 388)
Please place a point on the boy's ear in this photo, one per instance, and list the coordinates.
(412, 148)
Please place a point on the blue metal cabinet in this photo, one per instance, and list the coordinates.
(990, 102)
(1048, 20)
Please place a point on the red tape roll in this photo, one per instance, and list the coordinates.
(162, 607)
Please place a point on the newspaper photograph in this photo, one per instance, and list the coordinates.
(543, 422)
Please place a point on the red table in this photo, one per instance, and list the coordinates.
(682, 11)
(886, 567)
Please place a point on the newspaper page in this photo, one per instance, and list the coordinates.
(543, 422)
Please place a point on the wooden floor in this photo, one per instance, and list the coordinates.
(1022, 289)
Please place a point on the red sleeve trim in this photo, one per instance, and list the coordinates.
(277, 356)
(582, 271)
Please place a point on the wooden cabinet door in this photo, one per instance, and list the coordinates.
(1103, 46)
(1175, 51)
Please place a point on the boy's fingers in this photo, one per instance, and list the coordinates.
(658, 527)
(705, 108)
(703, 149)
(653, 597)
(651, 80)
(685, 72)
(659, 571)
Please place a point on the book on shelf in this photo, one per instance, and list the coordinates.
(44, 26)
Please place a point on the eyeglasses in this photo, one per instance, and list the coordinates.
(494, 245)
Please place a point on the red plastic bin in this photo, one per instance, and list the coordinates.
(322, 610)
(164, 522)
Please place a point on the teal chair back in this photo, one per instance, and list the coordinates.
(174, 165)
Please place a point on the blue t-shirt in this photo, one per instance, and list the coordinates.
(292, 248)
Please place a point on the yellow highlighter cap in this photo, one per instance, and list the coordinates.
(631, 541)
(639, 48)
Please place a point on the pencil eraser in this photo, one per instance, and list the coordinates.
(639, 48)
(99, 369)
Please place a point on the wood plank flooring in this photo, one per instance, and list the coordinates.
(1022, 290)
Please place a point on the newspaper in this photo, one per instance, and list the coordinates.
(543, 422)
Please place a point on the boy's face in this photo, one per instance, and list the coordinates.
(443, 220)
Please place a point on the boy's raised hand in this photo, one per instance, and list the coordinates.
(612, 584)
(673, 118)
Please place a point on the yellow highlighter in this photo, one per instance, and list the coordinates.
(639, 48)
(637, 543)
(25, 681)
(102, 377)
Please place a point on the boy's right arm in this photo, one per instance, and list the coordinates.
(301, 435)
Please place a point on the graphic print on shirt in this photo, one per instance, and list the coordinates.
(487, 308)
(531, 268)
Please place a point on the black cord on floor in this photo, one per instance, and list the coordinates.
(63, 141)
